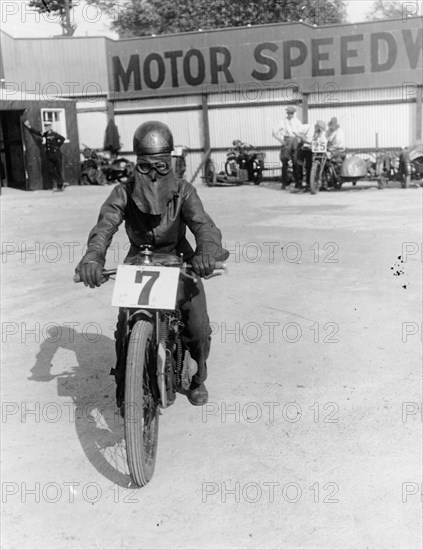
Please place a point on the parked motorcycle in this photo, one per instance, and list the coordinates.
(325, 168)
(244, 157)
(158, 364)
(98, 169)
(179, 164)
(119, 169)
(92, 168)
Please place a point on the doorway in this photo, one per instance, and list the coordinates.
(12, 158)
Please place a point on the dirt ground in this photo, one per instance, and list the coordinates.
(312, 437)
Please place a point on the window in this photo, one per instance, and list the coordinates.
(57, 117)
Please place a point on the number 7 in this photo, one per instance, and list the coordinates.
(145, 291)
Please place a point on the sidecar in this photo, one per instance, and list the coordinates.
(411, 164)
(353, 169)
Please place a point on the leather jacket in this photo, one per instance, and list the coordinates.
(166, 233)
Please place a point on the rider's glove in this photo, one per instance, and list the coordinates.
(203, 264)
(90, 269)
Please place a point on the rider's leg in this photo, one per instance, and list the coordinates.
(197, 331)
(297, 169)
(308, 158)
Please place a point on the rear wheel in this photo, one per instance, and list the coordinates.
(141, 407)
(209, 173)
(180, 167)
(314, 178)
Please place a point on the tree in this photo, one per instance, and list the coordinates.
(386, 9)
(147, 17)
(59, 7)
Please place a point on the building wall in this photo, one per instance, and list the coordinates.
(370, 119)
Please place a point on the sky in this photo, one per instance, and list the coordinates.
(18, 20)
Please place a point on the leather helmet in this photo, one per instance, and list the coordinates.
(152, 138)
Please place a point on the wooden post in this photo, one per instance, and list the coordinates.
(419, 112)
(110, 110)
(205, 121)
(305, 98)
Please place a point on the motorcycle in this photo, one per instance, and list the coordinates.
(324, 169)
(92, 168)
(98, 169)
(119, 169)
(179, 164)
(243, 161)
(158, 364)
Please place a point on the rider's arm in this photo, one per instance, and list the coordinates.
(110, 217)
(208, 237)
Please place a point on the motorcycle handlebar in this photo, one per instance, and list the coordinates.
(220, 269)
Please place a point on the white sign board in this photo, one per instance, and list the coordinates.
(148, 287)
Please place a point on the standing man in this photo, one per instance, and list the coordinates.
(52, 142)
(285, 133)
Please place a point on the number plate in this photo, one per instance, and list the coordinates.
(147, 287)
(319, 146)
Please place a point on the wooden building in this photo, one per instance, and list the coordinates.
(23, 162)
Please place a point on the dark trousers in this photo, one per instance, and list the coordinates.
(289, 153)
(54, 166)
(196, 335)
(307, 156)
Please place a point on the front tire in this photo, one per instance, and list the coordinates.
(405, 181)
(141, 407)
(231, 167)
(314, 178)
(256, 171)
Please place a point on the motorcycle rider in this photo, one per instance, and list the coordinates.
(157, 207)
(336, 140)
(306, 135)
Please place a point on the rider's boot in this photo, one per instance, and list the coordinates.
(198, 394)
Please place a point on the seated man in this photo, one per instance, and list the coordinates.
(157, 207)
(336, 140)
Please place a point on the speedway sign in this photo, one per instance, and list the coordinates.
(367, 55)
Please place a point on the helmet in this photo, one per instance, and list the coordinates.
(152, 138)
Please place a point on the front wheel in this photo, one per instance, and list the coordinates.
(231, 167)
(314, 178)
(256, 171)
(405, 181)
(141, 407)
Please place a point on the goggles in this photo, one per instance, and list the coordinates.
(161, 166)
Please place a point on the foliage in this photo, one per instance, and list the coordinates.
(57, 7)
(386, 9)
(147, 17)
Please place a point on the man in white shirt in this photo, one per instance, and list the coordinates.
(286, 133)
